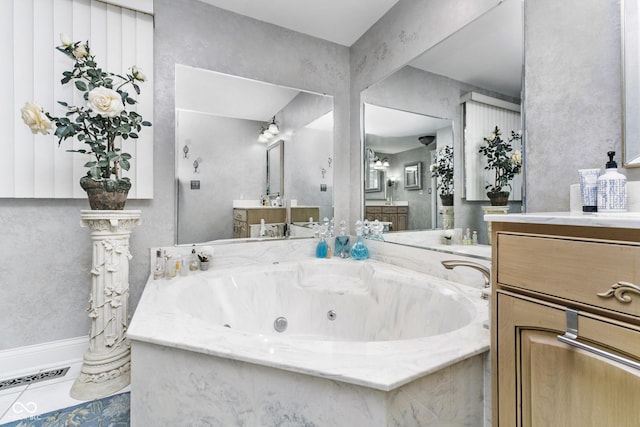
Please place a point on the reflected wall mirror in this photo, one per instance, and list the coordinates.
(631, 82)
(219, 118)
(470, 60)
(275, 169)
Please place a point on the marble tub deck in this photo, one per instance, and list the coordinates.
(383, 365)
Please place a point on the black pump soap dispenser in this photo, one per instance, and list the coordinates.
(612, 188)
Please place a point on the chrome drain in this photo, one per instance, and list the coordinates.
(331, 315)
(280, 324)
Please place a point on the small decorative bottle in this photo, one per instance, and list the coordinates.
(342, 241)
(321, 248)
(359, 251)
(612, 188)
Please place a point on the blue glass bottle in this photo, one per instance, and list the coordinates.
(342, 241)
(359, 251)
(321, 248)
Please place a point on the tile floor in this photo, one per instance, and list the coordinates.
(38, 398)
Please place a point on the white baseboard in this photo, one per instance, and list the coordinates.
(33, 358)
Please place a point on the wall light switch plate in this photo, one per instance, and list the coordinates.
(195, 185)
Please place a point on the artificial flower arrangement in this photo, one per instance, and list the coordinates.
(442, 170)
(502, 159)
(98, 122)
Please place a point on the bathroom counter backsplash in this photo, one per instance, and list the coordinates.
(230, 254)
(596, 219)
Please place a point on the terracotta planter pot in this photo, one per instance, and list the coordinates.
(498, 198)
(106, 194)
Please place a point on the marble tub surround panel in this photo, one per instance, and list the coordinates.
(216, 391)
(162, 319)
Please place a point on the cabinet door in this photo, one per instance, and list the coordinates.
(544, 382)
(402, 222)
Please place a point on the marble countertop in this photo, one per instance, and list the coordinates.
(598, 219)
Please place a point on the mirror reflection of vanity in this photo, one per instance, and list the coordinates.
(432, 85)
(399, 148)
(218, 121)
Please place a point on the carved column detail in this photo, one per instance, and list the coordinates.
(107, 363)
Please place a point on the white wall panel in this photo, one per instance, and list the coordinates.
(480, 120)
(30, 29)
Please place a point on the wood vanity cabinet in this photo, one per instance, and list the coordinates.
(552, 281)
(244, 217)
(398, 216)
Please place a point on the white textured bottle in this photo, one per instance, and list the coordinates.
(612, 188)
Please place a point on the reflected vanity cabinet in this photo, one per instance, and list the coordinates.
(243, 218)
(565, 325)
(398, 216)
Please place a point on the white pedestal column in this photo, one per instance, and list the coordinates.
(107, 363)
(447, 217)
(493, 210)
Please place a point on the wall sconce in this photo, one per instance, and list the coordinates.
(269, 131)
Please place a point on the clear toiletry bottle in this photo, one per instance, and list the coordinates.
(322, 247)
(359, 251)
(612, 188)
(193, 260)
(158, 272)
(342, 241)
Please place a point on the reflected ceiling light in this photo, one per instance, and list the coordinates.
(381, 163)
(262, 137)
(273, 127)
(269, 130)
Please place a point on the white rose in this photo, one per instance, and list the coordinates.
(106, 102)
(138, 74)
(34, 117)
(81, 51)
(65, 40)
(516, 157)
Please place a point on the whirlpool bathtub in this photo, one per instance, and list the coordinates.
(369, 327)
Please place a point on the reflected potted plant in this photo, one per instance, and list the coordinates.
(442, 170)
(98, 123)
(504, 161)
(204, 256)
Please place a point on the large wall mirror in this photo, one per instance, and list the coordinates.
(221, 161)
(631, 82)
(484, 57)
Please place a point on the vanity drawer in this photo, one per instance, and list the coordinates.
(403, 209)
(374, 209)
(582, 270)
(390, 210)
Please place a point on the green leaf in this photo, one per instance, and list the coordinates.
(89, 164)
(125, 164)
(130, 101)
(146, 123)
(125, 156)
(64, 104)
(133, 135)
(81, 85)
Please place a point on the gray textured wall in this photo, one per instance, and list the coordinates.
(572, 95)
